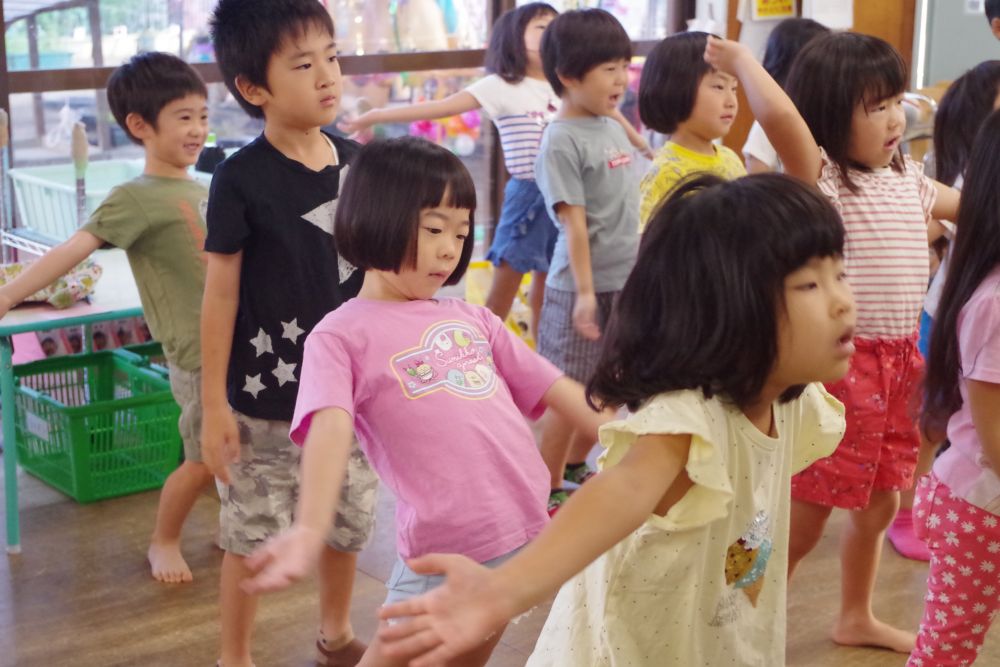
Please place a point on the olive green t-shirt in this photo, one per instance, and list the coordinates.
(160, 224)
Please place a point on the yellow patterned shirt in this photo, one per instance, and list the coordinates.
(674, 162)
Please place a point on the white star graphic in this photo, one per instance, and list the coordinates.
(291, 330)
(284, 372)
(262, 343)
(322, 217)
(254, 385)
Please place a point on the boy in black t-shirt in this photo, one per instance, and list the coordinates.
(273, 273)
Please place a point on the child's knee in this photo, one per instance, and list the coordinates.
(879, 513)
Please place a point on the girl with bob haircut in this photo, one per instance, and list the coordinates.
(436, 389)
(849, 90)
(520, 102)
(682, 95)
(676, 552)
(957, 507)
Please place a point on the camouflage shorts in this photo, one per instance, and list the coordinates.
(258, 504)
(186, 388)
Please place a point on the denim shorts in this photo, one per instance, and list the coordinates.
(404, 583)
(525, 236)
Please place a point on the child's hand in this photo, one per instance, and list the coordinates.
(450, 620)
(585, 316)
(353, 126)
(283, 560)
(724, 54)
(220, 441)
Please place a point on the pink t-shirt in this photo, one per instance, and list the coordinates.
(439, 390)
(963, 467)
(885, 249)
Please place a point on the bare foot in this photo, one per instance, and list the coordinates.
(167, 563)
(873, 632)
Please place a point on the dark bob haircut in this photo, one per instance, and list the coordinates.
(702, 305)
(507, 56)
(785, 42)
(992, 10)
(668, 86)
(246, 33)
(578, 41)
(966, 103)
(390, 183)
(975, 256)
(866, 71)
(147, 83)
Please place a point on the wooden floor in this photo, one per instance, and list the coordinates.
(80, 595)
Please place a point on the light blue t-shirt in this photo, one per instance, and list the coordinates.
(587, 162)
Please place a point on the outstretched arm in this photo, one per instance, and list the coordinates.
(452, 105)
(776, 113)
(49, 268)
(475, 602)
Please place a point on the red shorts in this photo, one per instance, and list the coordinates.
(879, 449)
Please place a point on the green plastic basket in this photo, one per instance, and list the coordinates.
(148, 355)
(95, 426)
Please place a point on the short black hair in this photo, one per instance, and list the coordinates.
(963, 108)
(866, 70)
(578, 41)
(147, 83)
(506, 55)
(992, 10)
(785, 42)
(668, 85)
(246, 33)
(390, 183)
(701, 308)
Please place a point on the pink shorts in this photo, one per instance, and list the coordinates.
(879, 449)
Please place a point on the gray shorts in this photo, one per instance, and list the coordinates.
(404, 583)
(559, 341)
(264, 489)
(186, 388)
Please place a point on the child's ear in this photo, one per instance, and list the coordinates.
(251, 92)
(567, 81)
(138, 126)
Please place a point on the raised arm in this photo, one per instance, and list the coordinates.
(293, 554)
(46, 270)
(773, 109)
(452, 105)
(634, 138)
(475, 601)
(220, 444)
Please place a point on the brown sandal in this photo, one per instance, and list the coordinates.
(347, 655)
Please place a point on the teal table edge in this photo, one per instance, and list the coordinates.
(12, 512)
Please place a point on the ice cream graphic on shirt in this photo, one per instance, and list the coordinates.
(745, 566)
(452, 356)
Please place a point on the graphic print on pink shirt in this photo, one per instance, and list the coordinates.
(452, 356)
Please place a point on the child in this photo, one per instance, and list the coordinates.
(956, 508)
(783, 45)
(521, 103)
(436, 391)
(273, 273)
(585, 175)
(967, 102)
(690, 510)
(683, 96)
(156, 218)
(993, 16)
(849, 89)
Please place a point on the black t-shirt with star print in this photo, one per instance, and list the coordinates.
(279, 213)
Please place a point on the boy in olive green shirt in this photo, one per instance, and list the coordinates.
(158, 219)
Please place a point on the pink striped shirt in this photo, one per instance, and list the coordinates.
(886, 243)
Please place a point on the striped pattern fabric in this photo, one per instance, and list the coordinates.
(886, 251)
(520, 136)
